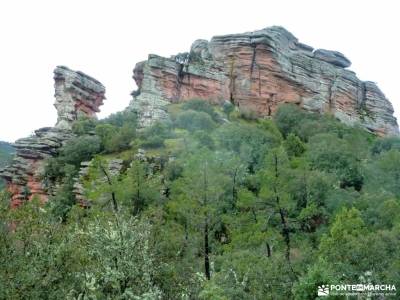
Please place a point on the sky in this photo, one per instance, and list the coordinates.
(105, 39)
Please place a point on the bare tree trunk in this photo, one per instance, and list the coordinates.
(113, 198)
(285, 227)
(206, 251)
(234, 190)
(137, 205)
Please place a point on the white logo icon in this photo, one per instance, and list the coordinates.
(323, 290)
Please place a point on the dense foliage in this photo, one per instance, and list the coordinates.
(6, 154)
(219, 205)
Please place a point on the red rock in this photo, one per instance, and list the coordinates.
(76, 94)
(258, 71)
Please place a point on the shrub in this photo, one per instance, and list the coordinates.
(288, 117)
(228, 108)
(84, 125)
(61, 203)
(385, 144)
(155, 135)
(293, 145)
(173, 170)
(193, 120)
(117, 131)
(120, 119)
(80, 149)
(247, 114)
(292, 119)
(115, 139)
(330, 154)
(201, 105)
(204, 139)
(250, 142)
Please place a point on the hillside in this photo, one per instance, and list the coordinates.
(252, 167)
(212, 204)
(6, 153)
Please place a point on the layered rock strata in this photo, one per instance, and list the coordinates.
(76, 94)
(257, 71)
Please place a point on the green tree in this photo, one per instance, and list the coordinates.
(348, 231)
(61, 203)
(200, 190)
(250, 142)
(120, 261)
(293, 145)
(331, 154)
(274, 194)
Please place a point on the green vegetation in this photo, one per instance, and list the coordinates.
(6, 154)
(221, 205)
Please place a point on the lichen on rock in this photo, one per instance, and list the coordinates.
(76, 94)
(257, 71)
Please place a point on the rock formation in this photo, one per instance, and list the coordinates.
(257, 71)
(76, 94)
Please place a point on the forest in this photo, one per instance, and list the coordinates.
(213, 204)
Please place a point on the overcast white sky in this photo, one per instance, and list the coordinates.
(106, 38)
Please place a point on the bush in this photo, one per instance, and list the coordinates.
(62, 202)
(193, 120)
(117, 131)
(247, 114)
(293, 145)
(80, 149)
(250, 142)
(155, 135)
(201, 105)
(330, 154)
(228, 108)
(287, 118)
(385, 144)
(84, 125)
(115, 139)
(292, 119)
(120, 119)
(174, 170)
(204, 139)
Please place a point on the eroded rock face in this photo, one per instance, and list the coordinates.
(257, 71)
(76, 93)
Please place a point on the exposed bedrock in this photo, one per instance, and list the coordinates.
(257, 71)
(76, 94)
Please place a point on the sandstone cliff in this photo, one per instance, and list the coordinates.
(257, 71)
(76, 94)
